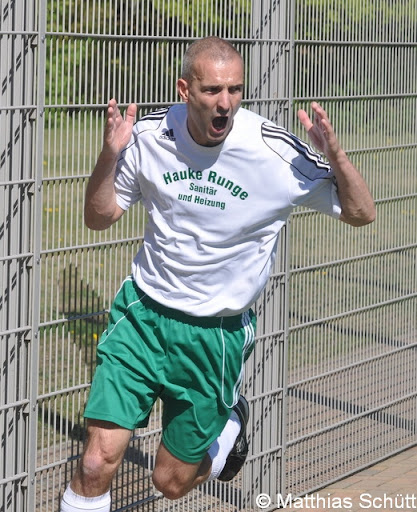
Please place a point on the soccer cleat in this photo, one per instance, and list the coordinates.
(239, 452)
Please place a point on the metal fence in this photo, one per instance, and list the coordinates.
(332, 383)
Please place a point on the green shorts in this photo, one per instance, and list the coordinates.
(195, 365)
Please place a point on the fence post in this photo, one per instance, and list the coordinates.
(270, 93)
(283, 489)
(36, 231)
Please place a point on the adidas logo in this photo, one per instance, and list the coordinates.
(168, 134)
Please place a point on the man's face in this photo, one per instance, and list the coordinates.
(213, 97)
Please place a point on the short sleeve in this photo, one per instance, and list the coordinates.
(126, 182)
(323, 197)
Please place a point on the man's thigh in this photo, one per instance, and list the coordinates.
(204, 372)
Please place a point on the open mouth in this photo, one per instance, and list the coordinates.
(219, 123)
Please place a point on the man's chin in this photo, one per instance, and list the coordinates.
(216, 137)
(215, 141)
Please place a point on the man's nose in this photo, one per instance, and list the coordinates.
(223, 103)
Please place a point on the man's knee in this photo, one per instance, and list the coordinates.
(103, 453)
(98, 464)
(174, 477)
(173, 485)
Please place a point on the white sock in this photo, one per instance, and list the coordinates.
(222, 446)
(72, 502)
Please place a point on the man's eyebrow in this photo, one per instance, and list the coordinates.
(220, 86)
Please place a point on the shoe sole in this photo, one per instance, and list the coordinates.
(234, 460)
(242, 410)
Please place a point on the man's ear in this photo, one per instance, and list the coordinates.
(182, 88)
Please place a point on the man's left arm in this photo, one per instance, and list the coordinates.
(358, 208)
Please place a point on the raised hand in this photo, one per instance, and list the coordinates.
(357, 204)
(320, 131)
(101, 209)
(118, 129)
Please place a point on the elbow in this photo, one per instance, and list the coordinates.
(96, 222)
(363, 221)
(360, 218)
(371, 216)
(93, 225)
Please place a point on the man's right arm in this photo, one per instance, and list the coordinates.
(101, 209)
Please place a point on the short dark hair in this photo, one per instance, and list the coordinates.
(213, 48)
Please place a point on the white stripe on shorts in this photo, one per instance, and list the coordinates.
(129, 278)
(249, 340)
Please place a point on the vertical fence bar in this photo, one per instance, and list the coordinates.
(36, 230)
(269, 95)
(283, 484)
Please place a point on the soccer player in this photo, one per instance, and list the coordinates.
(218, 183)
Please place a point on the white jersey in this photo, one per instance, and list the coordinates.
(215, 213)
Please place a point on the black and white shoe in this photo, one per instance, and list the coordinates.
(239, 452)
